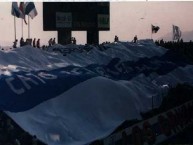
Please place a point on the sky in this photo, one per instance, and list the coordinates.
(127, 19)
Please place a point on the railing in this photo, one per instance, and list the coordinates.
(156, 129)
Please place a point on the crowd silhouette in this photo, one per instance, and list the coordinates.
(179, 46)
(12, 134)
(33, 43)
(182, 48)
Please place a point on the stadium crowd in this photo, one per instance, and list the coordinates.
(184, 49)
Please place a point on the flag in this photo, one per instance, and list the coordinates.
(176, 33)
(76, 100)
(22, 9)
(30, 9)
(15, 11)
(154, 29)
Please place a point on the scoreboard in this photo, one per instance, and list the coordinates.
(76, 16)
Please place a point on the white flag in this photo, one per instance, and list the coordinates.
(176, 32)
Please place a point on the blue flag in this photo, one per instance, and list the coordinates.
(15, 11)
(30, 9)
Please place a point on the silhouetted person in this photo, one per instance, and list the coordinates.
(15, 44)
(181, 41)
(22, 42)
(43, 47)
(135, 39)
(53, 41)
(50, 42)
(116, 39)
(162, 42)
(38, 43)
(34, 42)
(27, 42)
(74, 40)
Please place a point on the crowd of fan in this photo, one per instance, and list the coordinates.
(12, 134)
(183, 48)
(35, 43)
(180, 47)
(51, 41)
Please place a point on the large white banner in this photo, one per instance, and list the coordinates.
(76, 99)
(63, 20)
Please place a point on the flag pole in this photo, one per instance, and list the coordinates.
(151, 31)
(28, 27)
(173, 33)
(22, 27)
(15, 27)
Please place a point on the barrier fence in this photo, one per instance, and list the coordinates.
(156, 129)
